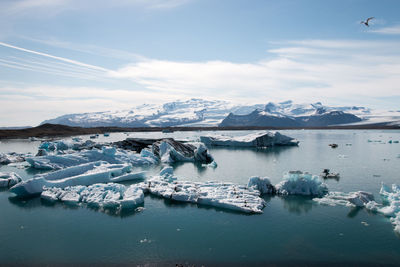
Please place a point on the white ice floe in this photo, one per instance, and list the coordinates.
(352, 199)
(262, 139)
(217, 194)
(261, 184)
(392, 197)
(86, 174)
(301, 183)
(111, 195)
(9, 179)
(108, 154)
(7, 158)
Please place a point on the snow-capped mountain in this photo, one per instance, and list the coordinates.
(199, 112)
(191, 112)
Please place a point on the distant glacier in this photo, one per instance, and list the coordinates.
(203, 113)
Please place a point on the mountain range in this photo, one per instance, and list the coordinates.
(203, 113)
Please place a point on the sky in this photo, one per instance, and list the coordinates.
(68, 56)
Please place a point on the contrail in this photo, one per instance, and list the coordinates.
(55, 57)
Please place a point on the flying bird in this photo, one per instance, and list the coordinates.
(367, 21)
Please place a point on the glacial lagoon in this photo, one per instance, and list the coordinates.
(291, 230)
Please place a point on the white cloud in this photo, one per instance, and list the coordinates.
(393, 30)
(306, 70)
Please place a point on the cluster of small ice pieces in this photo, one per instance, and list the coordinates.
(390, 206)
(86, 172)
(9, 179)
(166, 154)
(261, 139)
(102, 196)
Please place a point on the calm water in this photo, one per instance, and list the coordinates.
(291, 230)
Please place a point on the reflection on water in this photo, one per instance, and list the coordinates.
(25, 203)
(275, 150)
(353, 212)
(36, 202)
(174, 204)
(297, 204)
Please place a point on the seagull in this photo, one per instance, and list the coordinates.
(366, 22)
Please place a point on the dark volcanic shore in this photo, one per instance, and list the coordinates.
(56, 130)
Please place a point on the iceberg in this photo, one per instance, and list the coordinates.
(86, 174)
(108, 154)
(223, 195)
(7, 158)
(352, 199)
(261, 184)
(103, 196)
(261, 139)
(169, 151)
(301, 183)
(63, 145)
(391, 195)
(9, 179)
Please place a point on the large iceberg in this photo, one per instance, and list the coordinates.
(301, 183)
(86, 174)
(261, 139)
(104, 196)
(223, 195)
(9, 179)
(108, 154)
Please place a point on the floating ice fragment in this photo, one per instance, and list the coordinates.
(352, 199)
(261, 184)
(391, 195)
(168, 170)
(301, 183)
(7, 158)
(365, 223)
(171, 151)
(9, 179)
(261, 139)
(106, 196)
